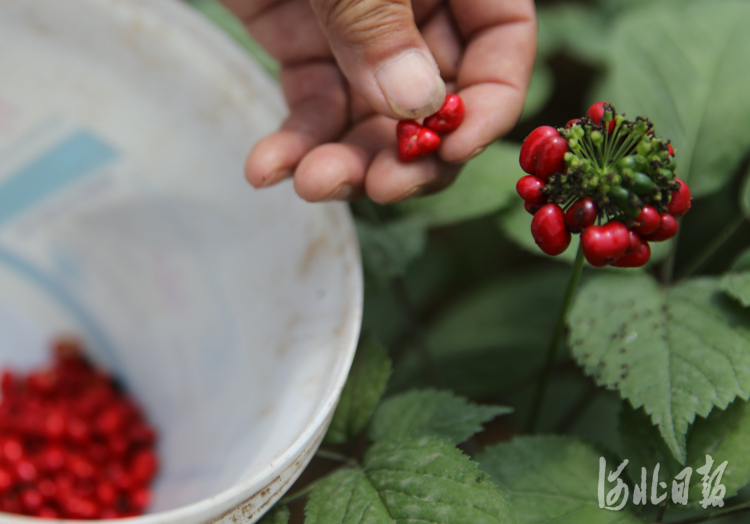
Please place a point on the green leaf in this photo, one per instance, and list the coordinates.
(515, 223)
(550, 479)
(677, 353)
(540, 90)
(486, 185)
(278, 515)
(492, 337)
(388, 250)
(679, 67)
(220, 15)
(724, 435)
(736, 282)
(362, 391)
(407, 480)
(573, 28)
(431, 412)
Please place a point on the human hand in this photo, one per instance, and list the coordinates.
(352, 68)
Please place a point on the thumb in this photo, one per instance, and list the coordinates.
(380, 50)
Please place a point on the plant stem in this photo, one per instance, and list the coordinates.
(299, 494)
(575, 276)
(718, 241)
(331, 455)
(716, 514)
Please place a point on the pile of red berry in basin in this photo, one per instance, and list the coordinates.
(610, 179)
(73, 445)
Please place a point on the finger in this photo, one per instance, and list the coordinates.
(289, 31)
(444, 43)
(383, 55)
(494, 73)
(317, 100)
(337, 171)
(389, 179)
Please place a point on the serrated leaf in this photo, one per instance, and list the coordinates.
(725, 435)
(406, 480)
(431, 412)
(736, 282)
(388, 250)
(364, 387)
(679, 68)
(515, 223)
(222, 17)
(493, 337)
(277, 515)
(550, 479)
(487, 184)
(678, 353)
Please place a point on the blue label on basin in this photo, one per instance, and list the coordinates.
(76, 156)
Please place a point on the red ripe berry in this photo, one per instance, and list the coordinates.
(637, 259)
(648, 221)
(46, 512)
(106, 493)
(603, 245)
(550, 157)
(12, 450)
(596, 113)
(531, 208)
(415, 140)
(143, 466)
(6, 479)
(31, 500)
(581, 215)
(549, 231)
(51, 458)
(681, 200)
(531, 144)
(25, 470)
(140, 498)
(47, 488)
(671, 149)
(529, 188)
(78, 507)
(449, 117)
(634, 243)
(668, 227)
(572, 122)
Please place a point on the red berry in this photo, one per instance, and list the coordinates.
(6, 479)
(47, 488)
(581, 215)
(634, 243)
(531, 208)
(603, 245)
(668, 227)
(681, 200)
(550, 157)
(415, 140)
(106, 493)
(140, 498)
(47, 512)
(648, 221)
(671, 149)
(637, 259)
(12, 450)
(31, 500)
(549, 231)
(531, 144)
(596, 113)
(529, 188)
(143, 466)
(51, 458)
(572, 122)
(449, 117)
(25, 470)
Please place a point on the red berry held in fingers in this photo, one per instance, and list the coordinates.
(681, 200)
(596, 113)
(530, 187)
(415, 140)
(530, 146)
(603, 245)
(668, 227)
(550, 157)
(648, 221)
(636, 259)
(549, 231)
(581, 215)
(449, 117)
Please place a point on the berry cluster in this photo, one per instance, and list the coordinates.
(416, 140)
(610, 179)
(72, 445)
